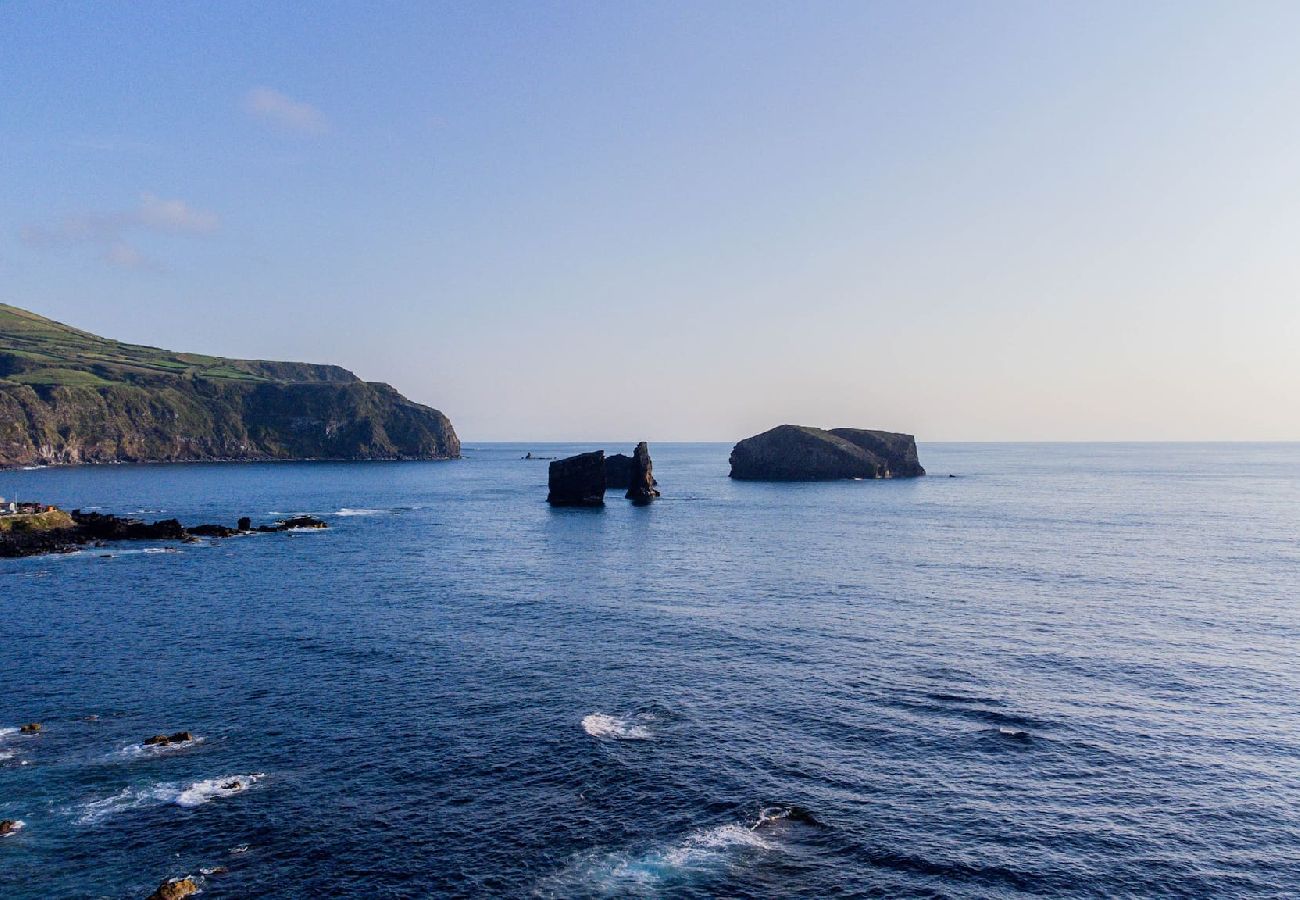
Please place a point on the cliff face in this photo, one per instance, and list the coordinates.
(70, 397)
(803, 453)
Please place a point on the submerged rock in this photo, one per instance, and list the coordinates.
(578, 480)
(641, 487)
(175, 889)
(803, 453)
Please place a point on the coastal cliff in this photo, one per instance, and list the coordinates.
(68, 396)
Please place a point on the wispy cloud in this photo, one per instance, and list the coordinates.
(109, 232)
(284, 112)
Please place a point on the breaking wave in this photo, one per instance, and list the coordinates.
(701, 853)
(195, 793)
(599, 725)
(346, 511)
(146, 751)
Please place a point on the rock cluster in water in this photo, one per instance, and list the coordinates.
(162, 740)
(803, 453)
(95, 529)
(583, 479)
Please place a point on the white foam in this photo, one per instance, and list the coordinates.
(1012, 732)
(136, 751)
(346, 511)
(699, 853)
(599, 725)
(195, 793)
(201, 792)
(5, 732)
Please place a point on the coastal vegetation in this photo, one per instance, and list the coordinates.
(69, 396)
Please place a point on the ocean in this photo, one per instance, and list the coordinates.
(1069, 671)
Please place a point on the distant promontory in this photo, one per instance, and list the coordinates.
(804, 453)
(68, 396)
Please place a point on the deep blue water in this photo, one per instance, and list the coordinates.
(1071, 671)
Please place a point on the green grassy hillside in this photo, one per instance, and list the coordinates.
(68, 396)
(37, 350)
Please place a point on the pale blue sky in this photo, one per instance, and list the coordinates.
(683, 221)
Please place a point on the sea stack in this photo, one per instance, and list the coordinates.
(578, 480)
(618, 471)
(804, 453)
(641, 489)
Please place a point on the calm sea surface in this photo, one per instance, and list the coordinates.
(1074, 670)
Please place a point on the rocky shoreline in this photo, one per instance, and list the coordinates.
(92, 529)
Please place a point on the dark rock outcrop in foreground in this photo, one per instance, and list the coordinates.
(578, 480)
(641, 486)
(68, 396)
(803, 453)
(95, 529)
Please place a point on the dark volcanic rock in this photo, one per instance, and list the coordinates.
(30, 728)
(302, 522)
(8, 827)
(578, 480)
(212, 530)
(641, 488)
(97, 528)
(898, 451)
(618, 471)
(101, 527)
(162, 740)
(802, 453)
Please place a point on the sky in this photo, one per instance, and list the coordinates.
(683, 221)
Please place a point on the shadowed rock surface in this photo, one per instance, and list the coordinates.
(68, 396)
(803, 453)
(641, 488)
(578, 480)
(618, 471)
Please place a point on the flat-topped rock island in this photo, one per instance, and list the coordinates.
(805, 453)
